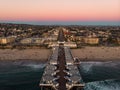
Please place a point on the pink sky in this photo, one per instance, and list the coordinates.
(60, 10)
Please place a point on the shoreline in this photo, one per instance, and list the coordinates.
(101, 54)
(26, 55)
(26, 60)
(98, 60)
(97, 53)
(21, 62)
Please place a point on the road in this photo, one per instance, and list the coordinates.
(61, 37)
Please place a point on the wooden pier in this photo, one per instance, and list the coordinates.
(61, 73)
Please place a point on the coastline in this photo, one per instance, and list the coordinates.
(25, 55)
(97, 53)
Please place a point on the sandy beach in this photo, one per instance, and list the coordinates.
(85, 54)
(97, 53)
(26, 54)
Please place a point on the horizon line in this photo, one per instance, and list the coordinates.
(91, 23)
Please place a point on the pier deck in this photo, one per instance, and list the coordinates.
(62, 62)
(61, 73)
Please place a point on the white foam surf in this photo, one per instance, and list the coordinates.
(103, 85)
(87, 66)
(35, 66)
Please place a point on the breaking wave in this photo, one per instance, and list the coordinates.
(35, 66)
(87, 66)
(103, 85)
(30, 64)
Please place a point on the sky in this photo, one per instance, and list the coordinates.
(60, 11)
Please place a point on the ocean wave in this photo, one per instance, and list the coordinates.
(87, 66)
(110, 84)
(31, 64)
(35, 66)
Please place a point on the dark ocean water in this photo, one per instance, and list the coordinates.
(24, 75)
(20, 75)
(101, 75)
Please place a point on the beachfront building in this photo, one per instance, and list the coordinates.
(53, 44)
(26, 41)
(7, 40)
(79, 39)
(3, 40)
(87, 40)
(92, 41)
(32, 41)
(66, 44)
(70, 44)
(118, 40)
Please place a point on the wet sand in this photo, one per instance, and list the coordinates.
(97, 53)
(26, 54)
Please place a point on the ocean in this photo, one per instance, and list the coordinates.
(26, 75)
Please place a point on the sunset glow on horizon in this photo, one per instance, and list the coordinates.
(60, 10)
